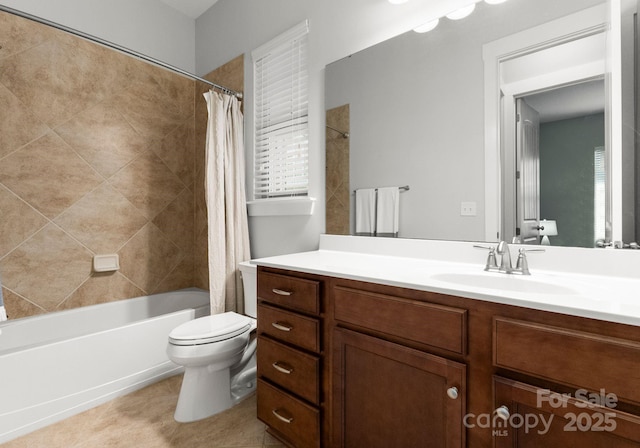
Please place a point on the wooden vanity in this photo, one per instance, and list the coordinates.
(349, 363)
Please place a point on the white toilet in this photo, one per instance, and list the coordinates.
(218, 356)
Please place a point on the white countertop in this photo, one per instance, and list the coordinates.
(614, 299)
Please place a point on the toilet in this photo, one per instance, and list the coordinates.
(218, 356)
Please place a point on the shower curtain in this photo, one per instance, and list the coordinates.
(226, 201)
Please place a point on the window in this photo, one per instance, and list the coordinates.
(281, 155)
(599, 198)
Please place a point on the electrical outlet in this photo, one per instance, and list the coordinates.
(468, 209)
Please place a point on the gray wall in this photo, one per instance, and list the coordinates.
(147, 26)
(566, 177)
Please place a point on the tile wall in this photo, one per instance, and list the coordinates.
(338, 196)
(97, 155)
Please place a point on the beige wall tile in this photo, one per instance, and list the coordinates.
(101, 288)
(176, 221)
(102, 137)
(18, 34)
(47, 267)
(103, 220)
(17, 307)
(338, 193)
(148, 257)
(180, 277)
(19, 221)
(18, 126)
(176, 150)
(48, 175)
(50, 80)
(148, 184)
(149, 108)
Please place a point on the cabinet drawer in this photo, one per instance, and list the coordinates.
(295, 420)
(575, 358)
(551, 424)
(289, 327)
(435, 325)
(292, 369)
(289, 292)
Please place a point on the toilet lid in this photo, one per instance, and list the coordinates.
(209, 329)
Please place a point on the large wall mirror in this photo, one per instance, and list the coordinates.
(494, 123)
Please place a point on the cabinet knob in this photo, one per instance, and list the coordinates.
(452, 393)
(281, 292)
(503, 412)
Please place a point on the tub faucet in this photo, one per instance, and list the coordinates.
(505, 262)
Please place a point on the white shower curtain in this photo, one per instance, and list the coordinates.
(226, 201)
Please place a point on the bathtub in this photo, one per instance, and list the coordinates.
(59, 364)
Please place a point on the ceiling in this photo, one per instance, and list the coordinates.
(190, 8)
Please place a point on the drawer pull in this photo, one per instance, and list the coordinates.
(452, 393)
(280, 417)
(281, 292)
(282, 369)
(281, 327)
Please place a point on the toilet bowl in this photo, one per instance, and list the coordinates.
(218, 356)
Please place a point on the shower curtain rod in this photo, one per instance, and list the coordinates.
(119, 48)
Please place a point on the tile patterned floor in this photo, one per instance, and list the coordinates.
(145, 419)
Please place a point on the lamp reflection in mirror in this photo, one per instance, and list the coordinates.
(398, 2)
(547, 228)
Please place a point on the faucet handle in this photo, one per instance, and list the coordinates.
(522, 266)
(522, 250)
(492, 263)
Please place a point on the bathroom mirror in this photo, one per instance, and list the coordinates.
(414, 111)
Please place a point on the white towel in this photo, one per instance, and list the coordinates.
(388, 212)
(3, 312)
(366, 212)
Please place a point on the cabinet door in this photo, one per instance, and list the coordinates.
(388, 395)
(529, 417)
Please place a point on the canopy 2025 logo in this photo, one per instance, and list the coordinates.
(502, 420)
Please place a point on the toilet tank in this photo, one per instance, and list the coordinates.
(250, 283)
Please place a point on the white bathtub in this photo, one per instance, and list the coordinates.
(59, 364)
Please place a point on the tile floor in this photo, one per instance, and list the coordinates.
(145, 419)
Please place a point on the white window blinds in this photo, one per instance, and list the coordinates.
(281, 109)
(599, 196)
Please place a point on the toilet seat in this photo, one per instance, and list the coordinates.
(209, 329)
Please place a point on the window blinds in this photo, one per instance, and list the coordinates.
(599, 196)
(281, 111)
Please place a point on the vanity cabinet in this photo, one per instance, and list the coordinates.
(386, 392)
(289, 353)
(387, 366)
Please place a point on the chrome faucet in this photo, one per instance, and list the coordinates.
(522, 267)
(505, 253)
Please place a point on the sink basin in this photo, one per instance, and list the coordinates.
(503, 282)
